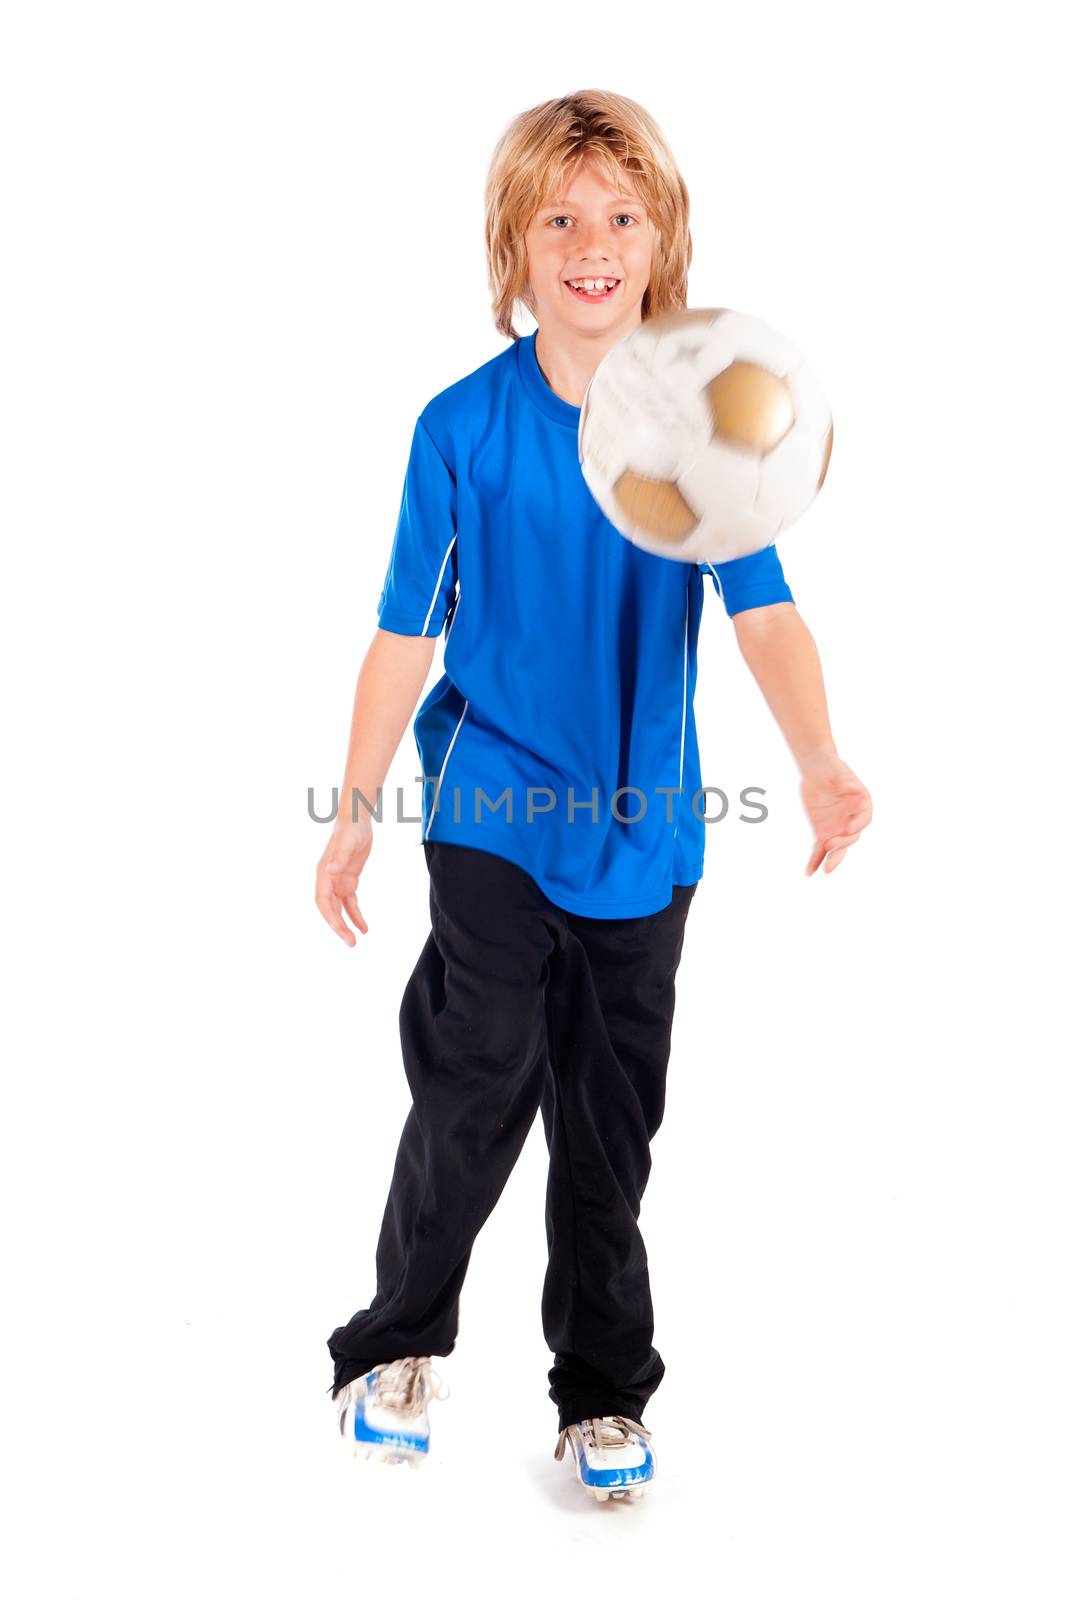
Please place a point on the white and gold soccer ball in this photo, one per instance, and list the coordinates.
(703, 434)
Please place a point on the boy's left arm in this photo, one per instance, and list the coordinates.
(781, 655)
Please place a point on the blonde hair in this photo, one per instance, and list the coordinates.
(535, 157)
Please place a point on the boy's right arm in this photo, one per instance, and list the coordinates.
(390, 681)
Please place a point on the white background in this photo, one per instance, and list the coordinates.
(243, 248)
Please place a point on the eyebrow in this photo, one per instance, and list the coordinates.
(628, 199)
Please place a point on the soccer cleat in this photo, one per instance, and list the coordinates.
(384, 1413)
(612, 1456)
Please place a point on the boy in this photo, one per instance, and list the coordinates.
(562, 846)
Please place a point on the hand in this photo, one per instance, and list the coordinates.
(838, 807)
(338, 873)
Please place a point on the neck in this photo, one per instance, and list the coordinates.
(569, 361)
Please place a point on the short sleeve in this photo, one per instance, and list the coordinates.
(750, 581)
(420, 582)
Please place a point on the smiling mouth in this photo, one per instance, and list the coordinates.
(596, 289)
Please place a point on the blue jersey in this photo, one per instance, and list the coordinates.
(561, 732)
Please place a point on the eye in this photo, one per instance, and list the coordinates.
(561, 218)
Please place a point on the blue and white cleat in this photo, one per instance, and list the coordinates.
(384, 1413)
(612, 1456)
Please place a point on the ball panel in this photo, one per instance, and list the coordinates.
(740, 536)
(750, 407)
(655, 507)
(721, 479)
(788, 477)
(808, 398)
(756, 341)
(663, 428)
(693, 352)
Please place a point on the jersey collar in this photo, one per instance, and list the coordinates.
(538, 388)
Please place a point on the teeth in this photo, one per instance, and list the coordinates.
(593, 283)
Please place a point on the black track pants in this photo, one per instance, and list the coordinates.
(516, 1004)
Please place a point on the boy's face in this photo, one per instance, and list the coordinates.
(591, 232)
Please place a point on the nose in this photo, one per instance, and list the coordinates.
(593, 247)
(594, 250)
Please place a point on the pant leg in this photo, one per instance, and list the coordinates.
(610, 1010)
(472, 1031)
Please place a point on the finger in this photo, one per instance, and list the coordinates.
(814, 859)
(841, 841)
(831, 851)
(341, 928)
(346, 896)
(327, 904)
(351, 905)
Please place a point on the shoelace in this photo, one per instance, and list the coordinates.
(604, 1433)
(403, 1385)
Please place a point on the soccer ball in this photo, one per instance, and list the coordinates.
(703, 434)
